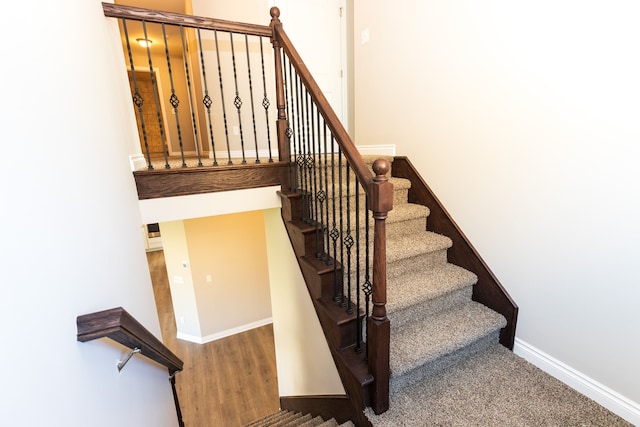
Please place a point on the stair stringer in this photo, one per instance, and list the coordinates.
(487, 289)
(338, 327)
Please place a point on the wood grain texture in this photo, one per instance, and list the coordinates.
(156, 16)
(121, 327)
(181, 182)
(227, 382)
(488, 290)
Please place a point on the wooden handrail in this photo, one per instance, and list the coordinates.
(161, 17)
(365, 176)
(121, 327)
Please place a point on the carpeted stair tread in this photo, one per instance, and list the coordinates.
(271, 419)
(420, 286)
(404, 246)
(425, 341)
(286, 419)
(493, 387)
(297, 421)
(313, 422)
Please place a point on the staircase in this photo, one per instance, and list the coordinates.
(434, 321)
(295, 419)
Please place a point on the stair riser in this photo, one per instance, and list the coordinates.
(424, 372)
(425, 261)
(429, 308)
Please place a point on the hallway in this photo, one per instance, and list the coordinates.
(227, 382)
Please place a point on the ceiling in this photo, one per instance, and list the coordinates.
(177, 6)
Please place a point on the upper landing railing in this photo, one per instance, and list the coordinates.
(219, 97)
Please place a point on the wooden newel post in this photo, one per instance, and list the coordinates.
(378, 326)
(281, 122)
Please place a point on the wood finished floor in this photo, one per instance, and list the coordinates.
(228, 382)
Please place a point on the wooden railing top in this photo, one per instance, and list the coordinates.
(121, 327)
(160, 17)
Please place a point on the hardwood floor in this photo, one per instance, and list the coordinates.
(228, 382)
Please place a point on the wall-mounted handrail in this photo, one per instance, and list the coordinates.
(121, 327)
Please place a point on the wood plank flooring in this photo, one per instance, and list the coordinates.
(228, 382)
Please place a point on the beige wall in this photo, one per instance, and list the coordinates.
(231, 250)
(523, 117)
(217, 268)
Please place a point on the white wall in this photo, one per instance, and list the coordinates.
(66, 125)
(304, 362)
(523, 117)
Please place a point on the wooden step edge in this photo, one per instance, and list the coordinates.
(338, 313)
(320, 266)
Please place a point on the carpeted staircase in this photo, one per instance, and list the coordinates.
(293, 419)
(445, 344)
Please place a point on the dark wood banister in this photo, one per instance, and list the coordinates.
(160, 17)
(380, 193)
(121, 327)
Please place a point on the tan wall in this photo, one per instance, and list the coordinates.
(523, 118)
(230, 251)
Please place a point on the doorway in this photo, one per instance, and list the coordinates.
(153, 122)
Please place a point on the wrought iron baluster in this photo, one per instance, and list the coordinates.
(156, 97)
(253, 112)
(194, 123)
(293, 185)
(137, 98)
(300, 158)
(335, 233)
(367, 287)
(326, 258)
(342, 233)
(308, 157)
(173, 100)
(224, 109)
(265, 101)
(237, 101)
(357, 287)
(208, 102)
(317, 165)
(348, 240)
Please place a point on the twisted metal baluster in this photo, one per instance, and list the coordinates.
(325, 228)
(189, 91)
(335, 233)
(137, 98)
(300, 159)
(265, 100)
(156, 97)
(224, 109)
(348, 241)
(253, 112)
(357, 225)
(293, 185)
(237, 101)
(173, 100)
(367, 287)
(342, 299)
(208, 102)
(320, 195)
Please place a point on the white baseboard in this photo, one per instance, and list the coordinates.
(225, 333)
(602, 394)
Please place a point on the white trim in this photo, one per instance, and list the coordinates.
(385, 149)
(137, 161)
(225, 333)
(610, 399)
